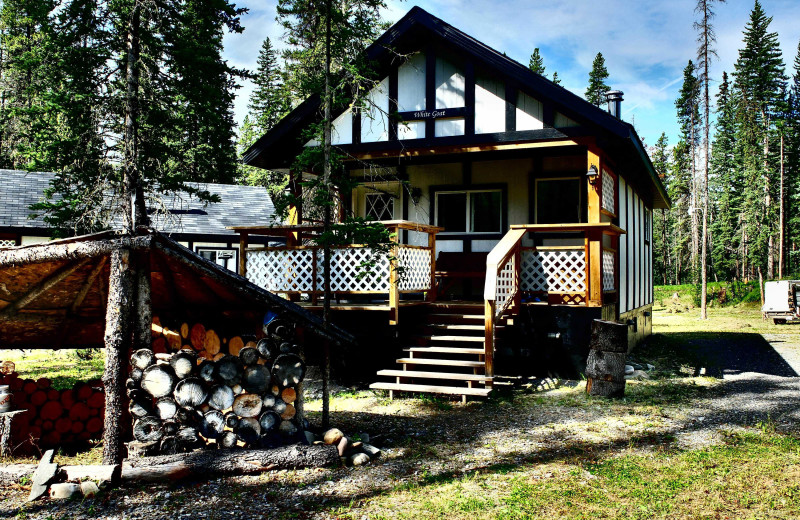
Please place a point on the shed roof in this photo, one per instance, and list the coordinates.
(70, 311)
(185, 215)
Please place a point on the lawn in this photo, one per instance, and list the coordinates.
(666, 450)
(64, 368)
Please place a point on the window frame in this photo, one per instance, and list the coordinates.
(568, 177)
(468, 189)
(234, 250)
(378, 194)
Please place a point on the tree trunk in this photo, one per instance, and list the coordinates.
(207, 464)
(326, 252)
(117, 342)
(781, 222)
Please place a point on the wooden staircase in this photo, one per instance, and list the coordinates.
(448, 355)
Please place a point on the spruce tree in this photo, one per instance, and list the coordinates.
(556, 79)
(760, 88)
(596, 91)
(688, 112)
(269, 102)
(536, 63)
(725, 187)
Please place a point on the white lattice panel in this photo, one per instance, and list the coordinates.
(506, 286)
(608, 192)
(416, 273)
(7, 243)
(608, 271)
(281, 270)
(350, 270)
(558, 271)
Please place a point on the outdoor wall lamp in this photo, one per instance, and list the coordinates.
(593, 175)
(416, 195)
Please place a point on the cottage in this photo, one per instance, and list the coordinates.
(202, 227)
(523, 212)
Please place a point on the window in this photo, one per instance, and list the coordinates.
(558, 201)
(472, 211)
(223, 256)
(646, 226)
(380, 206)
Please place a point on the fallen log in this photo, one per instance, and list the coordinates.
(206, 464)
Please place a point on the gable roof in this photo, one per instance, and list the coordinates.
(275, 148)
(185, 215)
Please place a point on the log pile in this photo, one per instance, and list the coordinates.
(196, 388)
(55, 418)
(605, 367)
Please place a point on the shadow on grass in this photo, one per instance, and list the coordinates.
(436, 445)
(716, 354)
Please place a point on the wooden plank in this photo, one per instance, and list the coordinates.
(439, 150)
(450, 390)
(606, 227)
(434, 375)
(488, 343)
(593, 195)
(456, 326)
(446, 350)
(243, 255)
(468, 339)
(441, 362)
(10, 310)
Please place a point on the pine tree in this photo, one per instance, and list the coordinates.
(688, 111)
(661, 229)
(325, 57)
(556, 79)
(536, 63)
(596, 91)
(705, 53)
(792, 197)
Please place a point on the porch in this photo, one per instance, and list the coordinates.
(571, 265)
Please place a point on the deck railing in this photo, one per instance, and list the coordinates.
(297, 270)
(572, 275)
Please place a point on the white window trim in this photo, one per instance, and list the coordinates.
(468, 220)
(536, 194)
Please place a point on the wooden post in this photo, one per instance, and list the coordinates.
(593, 191)
(432, 246)
(144, 304)
(588, 274)
(595, 281)
(117, 342)
(488, 342)
(394, 291)
(243, 253)
(605, 367)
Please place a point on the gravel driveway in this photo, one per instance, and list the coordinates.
(743, 380)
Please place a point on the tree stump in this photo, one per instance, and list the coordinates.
(605, 367)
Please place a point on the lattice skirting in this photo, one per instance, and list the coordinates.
(8, 243)
(608, 271)
(416, 269)
(505, 289)
(608, 192)
(560, 271)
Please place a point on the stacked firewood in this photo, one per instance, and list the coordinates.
(56, 417)
(196, 388)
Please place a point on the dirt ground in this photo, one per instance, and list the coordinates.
(706, 385)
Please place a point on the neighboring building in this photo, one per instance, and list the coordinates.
(549, 196)
(197, 225)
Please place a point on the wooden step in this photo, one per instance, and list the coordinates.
(458, 326)
(435, 375)
(447, 350)
(442, 362)
(450, 390)
(469, 339)
(434, 317)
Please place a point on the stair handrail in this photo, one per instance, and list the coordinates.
(506, 255)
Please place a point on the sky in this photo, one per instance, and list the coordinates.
(646, 43)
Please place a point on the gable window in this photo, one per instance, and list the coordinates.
(380, 206)
(558, 201)
(470, 211)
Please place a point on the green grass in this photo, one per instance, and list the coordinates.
(751, 475)
(63, 367)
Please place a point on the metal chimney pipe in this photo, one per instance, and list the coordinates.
(614, 99)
